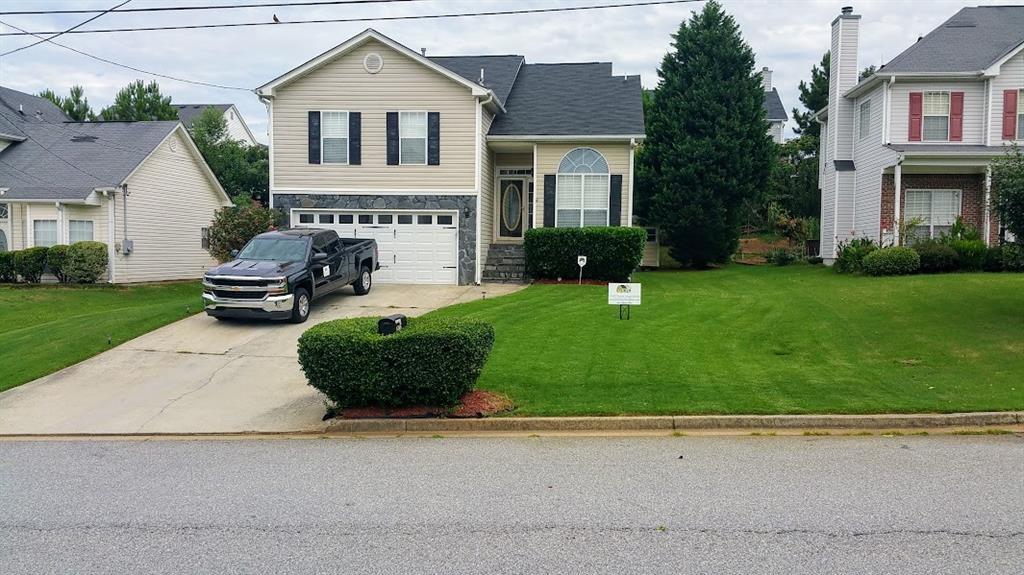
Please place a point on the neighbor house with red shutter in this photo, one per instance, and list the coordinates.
(915, 139)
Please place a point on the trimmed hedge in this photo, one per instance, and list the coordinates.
(86, 262)
(30, 263)
(7, 269)
(970, 253)
(894, 261)
(612, 252)
(993, 259)
(431, 362)
(55, 260)
(936, 257)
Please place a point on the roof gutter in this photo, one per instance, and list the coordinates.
(862, 87)
(564, 138)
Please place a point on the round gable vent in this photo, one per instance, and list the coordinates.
(373, 62)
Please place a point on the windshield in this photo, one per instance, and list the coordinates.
(275, 250)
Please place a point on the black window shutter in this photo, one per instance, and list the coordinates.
(615, 201)
(549, 201)
(392, 133)
(314, 137)
(355, 138)
(433, 138)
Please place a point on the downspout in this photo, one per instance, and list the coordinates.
(632, 192)
(270, 147)
(478, 272)
(897, 186)
(987, 207)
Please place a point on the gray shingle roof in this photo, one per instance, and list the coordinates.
(499, 71)
(972, 40)
(773, 108)
(67, 160)
(572, 99)
(17, 105)
(187, 113)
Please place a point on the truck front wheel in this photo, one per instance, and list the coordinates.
(300, 306)
(365, 281)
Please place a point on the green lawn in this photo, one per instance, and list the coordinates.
(46, 328)
(800, 339)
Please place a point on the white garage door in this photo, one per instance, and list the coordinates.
(414, 246)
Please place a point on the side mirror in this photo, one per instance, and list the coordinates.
(234, 254)
(319, 257)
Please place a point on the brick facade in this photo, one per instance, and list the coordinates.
(973, 198)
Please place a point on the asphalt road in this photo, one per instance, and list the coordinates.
(858, 505)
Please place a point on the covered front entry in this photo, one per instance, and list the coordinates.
(414, 246)
(513, 198)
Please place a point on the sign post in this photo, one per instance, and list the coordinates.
(624, 296)
(581, 261)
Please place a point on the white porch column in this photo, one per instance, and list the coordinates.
(897, 179)
(986, 207)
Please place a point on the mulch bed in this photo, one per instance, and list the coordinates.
(572, 281)
(473, 404)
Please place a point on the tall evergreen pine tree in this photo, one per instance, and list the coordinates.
(707, 145)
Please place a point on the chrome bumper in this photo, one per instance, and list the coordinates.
(271, 303)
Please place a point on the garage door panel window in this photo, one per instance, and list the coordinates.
(326, 218)
(405, 219)
(365, 219)
(345, 218)
(937, 210)
(306, 218)
(384, 219)
(412, 135)
(334, 138)
(44, 233)
(80, 231)
(582, 189)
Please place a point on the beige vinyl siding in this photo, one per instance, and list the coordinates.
(550, 155)
(870, 157)
(96, 214)
(513, 160)
(974, 108)
(486, 186)
(170, 200)
(402, 84)
(1011, 76)
(16, 240)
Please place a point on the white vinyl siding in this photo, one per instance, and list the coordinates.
(412, 138)
(975, 112)
(937, 210)
(1020, 115)
(864, 127)
(80, 231)
(935, 127)
(334, 138)
(1011, 77)
(44, 233)
(871, 158)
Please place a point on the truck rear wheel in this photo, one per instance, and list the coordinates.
(363, 284)
(300, 306)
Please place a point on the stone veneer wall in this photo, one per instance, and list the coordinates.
(464, 205)
(973, 202)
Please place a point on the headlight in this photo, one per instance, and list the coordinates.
(279, 287)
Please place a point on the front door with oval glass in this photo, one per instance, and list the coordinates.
(511, 204)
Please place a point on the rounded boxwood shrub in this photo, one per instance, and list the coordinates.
(612, 252)
(30, 263)
(7, 273)
(86, 262)
(56, 257)
(431, 362)
(894, 261)
(1013, 257)
(936, 257)
(970, 253)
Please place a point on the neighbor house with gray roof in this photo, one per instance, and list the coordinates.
(913, 141)
(774, 111)
(142, 188)
(447, 161)
(237, 129)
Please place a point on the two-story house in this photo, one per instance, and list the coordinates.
(448, 161)
(914, 140)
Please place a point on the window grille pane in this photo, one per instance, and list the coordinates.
(335, 150)
(567, 218)
(413, 124)
(44, 233)
(865, 119)
(335, 125)
(595, 192)
(583, 161)
(569, 192)
(4, 213)
(936, 103)
(936, 128)
(595, 217)
(79, 231)
(919, 205)
(945, 208)
(414, 150)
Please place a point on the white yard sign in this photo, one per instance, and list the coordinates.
(623, 294)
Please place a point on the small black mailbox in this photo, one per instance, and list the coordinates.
(392, 323)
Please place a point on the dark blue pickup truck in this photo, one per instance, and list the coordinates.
(278, 274)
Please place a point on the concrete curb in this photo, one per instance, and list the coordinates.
(681, 422)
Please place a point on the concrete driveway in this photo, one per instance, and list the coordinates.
(200, 375)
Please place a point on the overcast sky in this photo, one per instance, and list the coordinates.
(788, 36)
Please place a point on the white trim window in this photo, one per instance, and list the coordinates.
(937, 210)
(582, 188)
(80, 231)
(935, 123)
(412, 138)
(334, 137)
(864, 130)
(5, 212)
(44, 233)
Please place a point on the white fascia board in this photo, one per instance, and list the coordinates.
(566, 138)
(377, 192)
(883, 76)
(76, 202)
(353, 43)
(993, 70)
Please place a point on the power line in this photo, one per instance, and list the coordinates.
(127, 67)
(369, 18)
(79, 25)
(213, 7)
